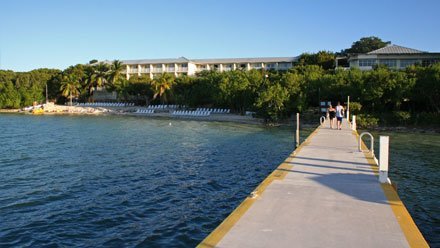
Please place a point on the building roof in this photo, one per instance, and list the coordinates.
(208, 61)
(395, 49)
(155, 61)
(244, 60)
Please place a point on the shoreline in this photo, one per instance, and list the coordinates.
(129, 111)
(233, 118)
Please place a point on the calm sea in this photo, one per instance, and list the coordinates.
(123, 181)
(78, 181)
(415, 167)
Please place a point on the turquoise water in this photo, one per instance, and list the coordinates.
(75, 181)
(414, 166)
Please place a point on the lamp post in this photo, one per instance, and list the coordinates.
(47, 98)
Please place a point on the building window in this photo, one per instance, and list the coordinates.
(366, 62)
(407, 62)
(270, 65)
(391, 63)
(284, 65)
(256, 65)
(428, 62)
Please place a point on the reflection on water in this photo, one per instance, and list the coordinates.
(123, 181)
(415, 168)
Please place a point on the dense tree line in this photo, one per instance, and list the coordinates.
(393, 96)
(19, 89)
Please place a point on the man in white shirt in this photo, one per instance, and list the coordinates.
(339, 114)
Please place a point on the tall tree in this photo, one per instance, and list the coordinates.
(270, 102)
(365, 45)
(70, 87)
(427, 88)
(95, 76)
(324, 59)
(87, 82)
(101, 75)
(115, 72)
(9, 96)
(161, 85)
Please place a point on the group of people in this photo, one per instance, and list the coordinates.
(337, 112)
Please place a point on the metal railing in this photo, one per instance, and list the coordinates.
(371, 143)
(322, 120)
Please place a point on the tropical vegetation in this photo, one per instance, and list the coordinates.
(380, 96)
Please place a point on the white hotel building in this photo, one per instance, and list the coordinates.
(393, 56)
(184, 66)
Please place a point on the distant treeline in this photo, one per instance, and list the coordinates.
(410, 96)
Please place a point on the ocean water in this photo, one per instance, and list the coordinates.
(87, 181)
(80, 181)
(414, 166)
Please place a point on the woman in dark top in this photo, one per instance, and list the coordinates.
(332, 115)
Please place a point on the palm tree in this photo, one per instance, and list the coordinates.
(100, 75)
(69, 87)
(87, 82)
(95, 76)
(115, 71)
(161, 84)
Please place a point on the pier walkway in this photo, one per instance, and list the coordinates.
(326, 194)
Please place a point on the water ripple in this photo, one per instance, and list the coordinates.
(112, 181)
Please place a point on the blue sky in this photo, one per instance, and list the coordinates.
(60, 33)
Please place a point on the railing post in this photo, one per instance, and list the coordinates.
(353, 123)
(383, 159)
(297, 130)
(348, 109)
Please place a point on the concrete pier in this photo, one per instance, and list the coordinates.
(326, 194)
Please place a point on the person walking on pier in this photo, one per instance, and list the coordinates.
(332, 114)
(339, 115)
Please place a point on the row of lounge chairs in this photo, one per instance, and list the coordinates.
(144, 111)
(215, 111)
(105, 104)
(164, 106)
(195, 113)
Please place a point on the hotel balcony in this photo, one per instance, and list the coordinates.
(133, 71)
(182, 69)
(145, 70)
(157, 69)
(170, 69)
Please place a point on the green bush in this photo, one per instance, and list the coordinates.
(366, 121)
(401, 117)
(355, 107)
